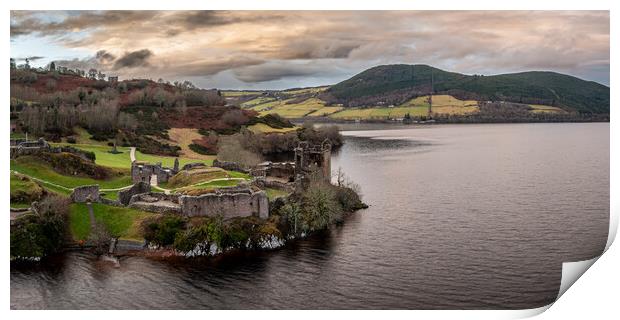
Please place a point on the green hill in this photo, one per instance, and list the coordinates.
(395, 83)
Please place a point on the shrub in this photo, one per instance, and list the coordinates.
(71, 139)
(163, 231)
(201, 149)
(42, 233)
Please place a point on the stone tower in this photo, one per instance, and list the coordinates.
(317, 156)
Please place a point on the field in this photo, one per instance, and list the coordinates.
(239, 93)
(325, 111)
(293, 110)
(206, 187)
(263, 128)
(34, 168)
(183, 137)
(120, 222)
(304, 91)
(314, 107)
(257, 101)
(538, 108)
(122, 160)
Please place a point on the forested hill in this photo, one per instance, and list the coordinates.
(393, 84)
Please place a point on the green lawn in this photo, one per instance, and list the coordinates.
(120, 221)
(207, 186)
(123, 160)
(31, 167)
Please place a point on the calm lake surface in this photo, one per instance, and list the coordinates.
(460, 217)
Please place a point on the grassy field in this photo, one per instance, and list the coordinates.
(304, 91)
(538, 108)
(263, 128)
(294, 110)
(37, 169)
(206, 187)
(183, 137)
(240, 93)
(257, 101)
(122, 160)
(22, 187)
(120, 222)
(197, 175)
(442, 104)
(83, 137)
(325, 111)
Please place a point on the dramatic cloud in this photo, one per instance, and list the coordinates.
(269, 48)
(134, 59)
(273, 71)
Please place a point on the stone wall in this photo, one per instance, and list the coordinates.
(193, 165)
(124, 196)
(230, 205)
(85, 193)
(274, 184)
(142, 172)
(156, 202)
(230, 166)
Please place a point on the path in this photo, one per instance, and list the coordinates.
(132, 154)
(91, 214)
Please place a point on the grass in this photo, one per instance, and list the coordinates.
(304, 90)
(83, 137)
(37, 169)
(257, 101)
(293, 110)
(325, 111)
(169, 161)
(120, 221)
(104, 158)
(183, 137)
(274, 193)
(240, 93)
(123, 160)
(538, 108)
(263, 128)
(197, 175)
(207, 187)
(23, 190)
(442, 104)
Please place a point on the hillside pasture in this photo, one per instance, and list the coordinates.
(36, 168)
(538, 108)
(183, 137)
(263, 128)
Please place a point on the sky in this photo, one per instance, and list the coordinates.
(289, 49)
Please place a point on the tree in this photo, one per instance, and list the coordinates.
(52, 66)
(13, 65)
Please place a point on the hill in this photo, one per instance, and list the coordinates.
(395, 84)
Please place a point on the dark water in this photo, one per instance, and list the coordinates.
(461, 217)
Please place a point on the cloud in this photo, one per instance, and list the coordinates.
(270, 72)
(271, 46)
(134, 59)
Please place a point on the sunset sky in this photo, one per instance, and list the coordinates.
(285, 49)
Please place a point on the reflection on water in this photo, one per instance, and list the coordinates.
(460, 217)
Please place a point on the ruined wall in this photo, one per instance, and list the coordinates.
(142, 172)
(85, 193)
(230, 166)
(156, 202)
(124, 196)
(230, 205)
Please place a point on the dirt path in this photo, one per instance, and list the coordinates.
(132, 154)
